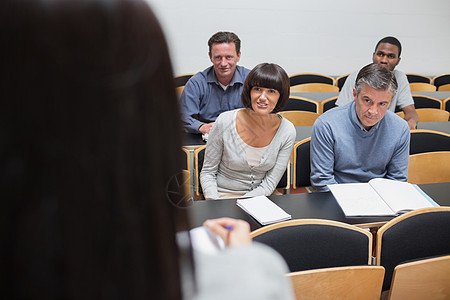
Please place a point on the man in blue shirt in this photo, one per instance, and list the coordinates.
(362, 139)
(217, 89)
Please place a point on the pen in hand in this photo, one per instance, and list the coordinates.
(234, 232)
(229, 228)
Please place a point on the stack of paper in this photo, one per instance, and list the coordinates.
(263, 210)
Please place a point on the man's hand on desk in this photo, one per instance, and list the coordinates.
(206, 128)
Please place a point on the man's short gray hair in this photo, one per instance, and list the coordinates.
(377, 77)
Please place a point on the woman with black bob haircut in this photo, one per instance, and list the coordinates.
(267, 75)
(248, 149)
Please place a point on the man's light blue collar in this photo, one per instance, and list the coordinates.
(356, 121)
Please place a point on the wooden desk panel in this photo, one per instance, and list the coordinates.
(438, 126)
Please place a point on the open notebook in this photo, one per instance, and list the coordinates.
(263, 210)
(379, 197)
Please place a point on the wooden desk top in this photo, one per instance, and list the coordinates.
(438, 126)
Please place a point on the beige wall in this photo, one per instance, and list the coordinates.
(332, 37)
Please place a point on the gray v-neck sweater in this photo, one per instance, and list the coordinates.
(225, 167)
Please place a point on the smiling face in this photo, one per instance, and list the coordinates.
(224, 58)
(386, 55)
(371, 105)
(264, 100)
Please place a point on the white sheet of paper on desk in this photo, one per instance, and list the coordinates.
(263, 210)
(203, 240)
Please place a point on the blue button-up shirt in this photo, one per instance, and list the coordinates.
(203, 98)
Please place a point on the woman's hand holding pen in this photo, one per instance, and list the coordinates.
(233, 231)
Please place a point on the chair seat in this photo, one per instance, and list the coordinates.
(429, 115)
(444, 87)
(422, 279)
(422, 87)
(300, 118)
(429, 167)
(314, 87)
(355, 282)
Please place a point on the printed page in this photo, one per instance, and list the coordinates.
(263, 210)
(204, 240)
(359, 199)
(400, 196)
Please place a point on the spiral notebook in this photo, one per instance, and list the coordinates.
(263, 210)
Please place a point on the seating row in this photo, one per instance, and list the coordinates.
(319, 107)
(333, 260)
(301, 103)
(440, 82)
(429, 162)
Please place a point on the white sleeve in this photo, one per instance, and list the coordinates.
(404, 97)
(243, 272)
(346, 93)
(213, 157)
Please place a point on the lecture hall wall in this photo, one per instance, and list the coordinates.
(331, 37)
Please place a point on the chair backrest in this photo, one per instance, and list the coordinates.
(314, 87)
(429, 167)
(424, 140)
(417, 78)
(302, 78)
(446, 104)
(285, 180)
(355, 282)
(421, 101)
(417, 234)
(300, 103)
(186, 153)
(199, 156)
(299, 117)
(179, 90)
(422, 87)
(181, 80)
(441, 79)
(341, 80)
(186, 173)
(444, 87)
(422, 279)
(307, 244)
(301, 161)
(327, 104)
(429, 115)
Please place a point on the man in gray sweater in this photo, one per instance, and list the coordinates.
(361, 140)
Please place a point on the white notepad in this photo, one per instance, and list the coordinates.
(263, 210)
